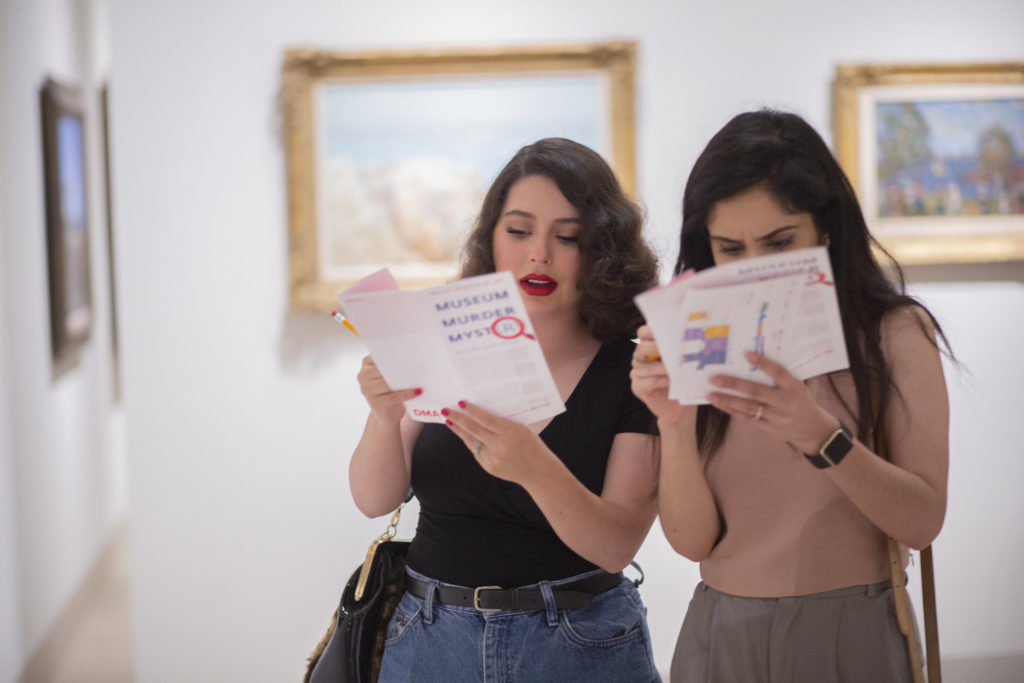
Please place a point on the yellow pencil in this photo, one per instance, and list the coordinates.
(344, 321)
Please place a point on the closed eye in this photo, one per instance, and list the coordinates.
(781, 243)
(568, 239)
(515, 232)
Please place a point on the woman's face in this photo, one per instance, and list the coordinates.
(536, 239)
(753, 223)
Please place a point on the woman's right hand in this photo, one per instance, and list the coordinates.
(387, 405)
(650, 379)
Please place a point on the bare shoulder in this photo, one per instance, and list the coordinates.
(912, 351)
(909, 325)
(410, 430)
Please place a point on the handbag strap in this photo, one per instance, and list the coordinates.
(904, 614)
(931, 624)
(389, 533)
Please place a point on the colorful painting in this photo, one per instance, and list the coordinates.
(936, 154)
(950, 157)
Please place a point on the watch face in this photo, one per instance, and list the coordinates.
(834, 450)
(838, 446)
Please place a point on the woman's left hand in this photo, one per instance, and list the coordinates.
(786, 410)
(505, 449)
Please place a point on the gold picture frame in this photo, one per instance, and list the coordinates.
(902, 134)
(357, 125)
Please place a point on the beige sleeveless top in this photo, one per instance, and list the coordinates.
(786, 528)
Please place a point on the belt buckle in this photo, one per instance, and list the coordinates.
(476, 598)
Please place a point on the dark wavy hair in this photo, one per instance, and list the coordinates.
(783, 154)
(616, 265)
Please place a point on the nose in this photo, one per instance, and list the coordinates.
(539, 252)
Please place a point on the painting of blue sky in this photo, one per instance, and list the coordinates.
(403, 163)
(71, 170)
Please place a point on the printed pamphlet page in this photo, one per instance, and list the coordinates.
(783, 306)
(468, 340)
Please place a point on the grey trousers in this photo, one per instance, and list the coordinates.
(846, 635)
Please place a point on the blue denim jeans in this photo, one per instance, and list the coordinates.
(607, 641)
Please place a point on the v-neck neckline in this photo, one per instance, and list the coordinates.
(579, 383)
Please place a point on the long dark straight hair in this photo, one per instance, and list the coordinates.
(617, 262)
(783, 154)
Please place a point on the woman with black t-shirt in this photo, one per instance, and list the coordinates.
(552, 511)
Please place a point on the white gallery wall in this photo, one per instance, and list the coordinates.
(62, 490)
(240, 415)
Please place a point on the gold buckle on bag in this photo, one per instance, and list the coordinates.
(389, 533)
(476, 598)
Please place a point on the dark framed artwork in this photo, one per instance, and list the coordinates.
(67, 228)
(115, 344)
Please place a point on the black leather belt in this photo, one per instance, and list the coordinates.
(494, 598)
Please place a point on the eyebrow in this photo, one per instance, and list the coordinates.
(526, 214)
(764, 238)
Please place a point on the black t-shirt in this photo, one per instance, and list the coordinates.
(477, 530)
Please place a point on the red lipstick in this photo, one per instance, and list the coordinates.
(535, 284)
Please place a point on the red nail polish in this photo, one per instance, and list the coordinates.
(445, 412)
(418, 391)
(449, 423)
(462, 404)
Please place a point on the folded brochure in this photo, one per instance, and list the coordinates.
(783, 306)
(467, 340)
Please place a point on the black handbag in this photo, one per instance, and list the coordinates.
(352, 649)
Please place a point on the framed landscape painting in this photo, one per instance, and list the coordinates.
(389, 153)
(67, 229)
(936, 153)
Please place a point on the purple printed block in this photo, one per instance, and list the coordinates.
(692, 333)
(714, 358)
(716, 344)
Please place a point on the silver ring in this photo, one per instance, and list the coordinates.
(759, 413)
(477, 447)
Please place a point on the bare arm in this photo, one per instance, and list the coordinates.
(379, 471)
(905, 497)
(686, 507)
(607, 529)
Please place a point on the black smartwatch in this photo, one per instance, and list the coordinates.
(835, 448)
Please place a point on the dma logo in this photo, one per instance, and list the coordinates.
(426, 413)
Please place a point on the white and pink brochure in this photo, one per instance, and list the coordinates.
(783, 306)
(467, 340)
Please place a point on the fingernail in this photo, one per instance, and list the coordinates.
(462, 404)
(445, 412)
(417, 391)
(449, 423)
